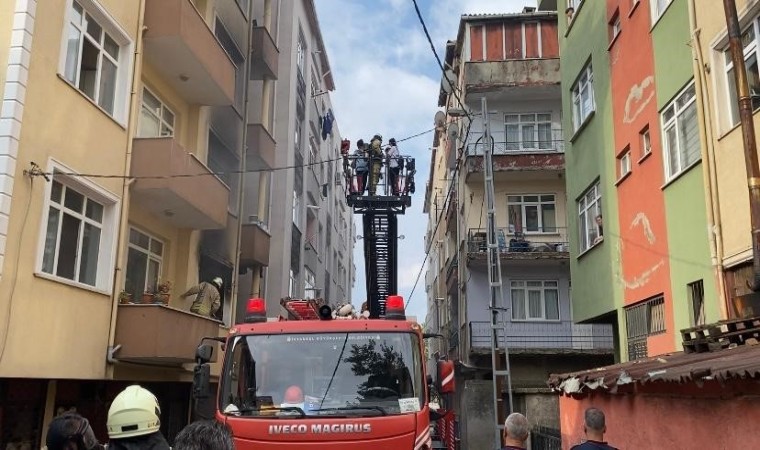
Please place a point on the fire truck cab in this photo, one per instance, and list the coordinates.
(324, 379)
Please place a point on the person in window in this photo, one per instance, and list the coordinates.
(361, 167)
(207, 297)
(599, 226)
(394, 167)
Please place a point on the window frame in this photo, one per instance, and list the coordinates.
(309, 283)
(539, 203)
(161, 122)
(159, 259)
(749, 50)
(657, 13)
(523, 285)
(585, 80)
(615, 25)
(645, 140)
(124, 60)
(538, 145)
(584, 208)
(674, 123)
(624, 165)
(108, 235)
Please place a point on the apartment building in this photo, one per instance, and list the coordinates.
(640, 253)
(513, 61)
(724, 162)
(312, 248)
(139, 147)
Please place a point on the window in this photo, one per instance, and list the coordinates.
(156, 119)
(94, 50)
(646, 142)
(144, 258)
(535, 300)
(590, 218)
(309, 284)
(574, 3)
(228, 44)
(292, 284)
(535, 213)
(614, 25)
(658, 8)
(643, 320)
(78, 234)
(583, 97)
(297, 209)
(528, 131)
(750, 46)
(624, 163)
(301, 53)
(681, 135)
(697, 297)
(224, 162)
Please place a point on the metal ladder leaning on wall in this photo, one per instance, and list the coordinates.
(494, 280)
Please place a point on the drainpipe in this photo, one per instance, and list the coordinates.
(748, 135)
(124, 213)
(242, 168)
(714, 231)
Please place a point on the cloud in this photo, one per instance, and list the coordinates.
(387, 82)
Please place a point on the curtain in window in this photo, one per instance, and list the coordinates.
(688, 135)
(518, 304)
(552, 304)
(534, 304)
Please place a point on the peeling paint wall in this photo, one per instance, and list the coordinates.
(645, 266)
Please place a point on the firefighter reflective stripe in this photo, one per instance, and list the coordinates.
(423, 439)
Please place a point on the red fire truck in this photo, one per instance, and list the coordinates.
(325, 379)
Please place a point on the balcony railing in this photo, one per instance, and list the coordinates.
(550, 143)
(545, 336)
(545, 239)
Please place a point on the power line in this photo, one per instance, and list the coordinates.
(415, 135)
(441, 215)
(438, 59)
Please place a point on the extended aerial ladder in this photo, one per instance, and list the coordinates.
(379, 224)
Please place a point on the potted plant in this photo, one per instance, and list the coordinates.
(163, 292)
(125, 297)
(147, 296)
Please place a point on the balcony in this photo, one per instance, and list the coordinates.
(254, 245)
(543, 337)
(198, 201)
(549, 243)
(185, 52)
(523, 77)
(545, 153)
(264, 55)
(161, 335)
(261, 148)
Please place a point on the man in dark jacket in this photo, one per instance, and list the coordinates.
(70, 431)
(594, 427)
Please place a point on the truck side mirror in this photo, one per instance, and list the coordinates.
(201, 381)
(446, 377)
(203, 353)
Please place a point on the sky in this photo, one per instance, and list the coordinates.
(387, 81)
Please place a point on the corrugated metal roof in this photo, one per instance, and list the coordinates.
(680, 367)
(516, 15)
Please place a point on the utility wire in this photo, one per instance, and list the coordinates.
(441, 215)
(438, 59)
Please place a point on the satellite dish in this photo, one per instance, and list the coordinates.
(449, 81)
(440, 119)
(453, 131)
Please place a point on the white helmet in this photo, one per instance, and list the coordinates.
(134, 412)
(217, 281)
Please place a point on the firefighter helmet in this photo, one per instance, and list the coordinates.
(134, 412)
(217, 281)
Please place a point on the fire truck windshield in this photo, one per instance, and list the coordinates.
(318, 375)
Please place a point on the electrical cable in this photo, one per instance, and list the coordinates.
(438, 59)
(459, 160)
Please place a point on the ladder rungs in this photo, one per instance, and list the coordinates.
(501, 373)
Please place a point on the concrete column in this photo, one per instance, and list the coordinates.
(268, 15)
(264, 182)
(267, 105)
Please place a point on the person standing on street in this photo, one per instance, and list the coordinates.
(70, 431)
(515, 432)
(134, 421)
(594, 427)
(204, 435)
